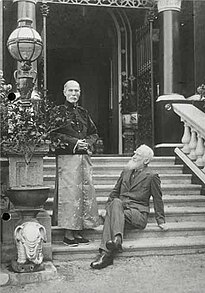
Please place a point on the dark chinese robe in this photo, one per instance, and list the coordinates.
(75, 200)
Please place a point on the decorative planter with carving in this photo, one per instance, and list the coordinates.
(26, 189)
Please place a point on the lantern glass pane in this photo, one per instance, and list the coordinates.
(14, 34)
(25, 33)
(14, 51)
(26, 50)
(37, 52)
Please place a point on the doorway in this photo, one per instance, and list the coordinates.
(80, 47)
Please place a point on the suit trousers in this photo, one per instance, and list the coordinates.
(118, 218)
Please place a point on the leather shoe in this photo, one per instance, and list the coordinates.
(114, 245)
(70, 242)
(82, 240)
(102, 261)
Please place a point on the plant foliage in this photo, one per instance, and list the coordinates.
(201, 91)
(25, 128)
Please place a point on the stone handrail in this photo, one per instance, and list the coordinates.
(193, 139)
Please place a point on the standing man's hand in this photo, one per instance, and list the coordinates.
(102, 213)
(82, 145)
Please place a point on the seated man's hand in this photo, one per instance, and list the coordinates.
(163, 226)
(102, 213)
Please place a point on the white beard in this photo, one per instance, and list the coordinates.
(131, 165)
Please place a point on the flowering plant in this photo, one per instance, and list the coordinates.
(26, 127)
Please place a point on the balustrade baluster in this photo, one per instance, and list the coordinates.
(192, 145)
(193, 138)
(186, 138)
(200, 152)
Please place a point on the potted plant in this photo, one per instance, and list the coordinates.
(26, 135)
(129, 103)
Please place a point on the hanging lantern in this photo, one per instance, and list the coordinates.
(25, 43)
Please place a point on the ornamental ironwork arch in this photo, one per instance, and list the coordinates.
(140, 4)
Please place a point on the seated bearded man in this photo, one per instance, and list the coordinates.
(128, 203)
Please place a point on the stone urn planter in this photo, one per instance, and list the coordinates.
(28, 198)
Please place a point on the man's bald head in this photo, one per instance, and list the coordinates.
(72, 91)
(71, 83)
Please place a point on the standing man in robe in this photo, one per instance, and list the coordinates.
(76, 202)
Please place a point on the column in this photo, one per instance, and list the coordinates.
(1, 35)
(199, 42)
(169, 11)
(26, 9)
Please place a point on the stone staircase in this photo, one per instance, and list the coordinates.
(184, 210)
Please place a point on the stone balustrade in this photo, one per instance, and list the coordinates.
(193, 139)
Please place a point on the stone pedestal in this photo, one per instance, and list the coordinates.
(8, 248)
(27, 195)
(13, 279)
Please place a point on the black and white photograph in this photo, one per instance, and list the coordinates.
(102, 116)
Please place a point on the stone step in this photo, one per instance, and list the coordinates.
(116, 160)
(169, 200)
(104, 190)
(121, 161)
(170, 189)
(116, 170)
(139, 247)
(180, 214)
(152, 231)
(112, 179)
(173, 214)
(165, 178)
(49, 160)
